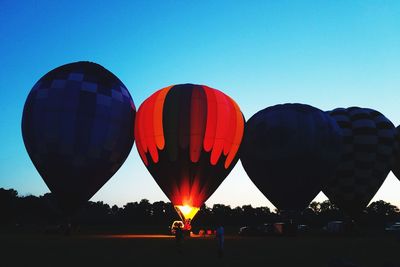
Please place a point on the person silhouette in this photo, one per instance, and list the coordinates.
(220, 240)
(179, 238)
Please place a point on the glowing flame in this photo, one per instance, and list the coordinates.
(186, 212)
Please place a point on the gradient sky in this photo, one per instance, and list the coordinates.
(324, 53)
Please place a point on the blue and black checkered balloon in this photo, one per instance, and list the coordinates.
(77, 127)
(396, 160)
(368, 141)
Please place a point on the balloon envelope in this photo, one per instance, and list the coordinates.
(396, 160)
(368, 143)
(188, 137)
(77, 127)
(288, 150)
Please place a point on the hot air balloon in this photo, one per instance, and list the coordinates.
(368, 145)
(396, 159)
(287, 151)
(77, 126)
(188, 137)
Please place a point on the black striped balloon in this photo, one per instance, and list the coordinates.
(368, 143)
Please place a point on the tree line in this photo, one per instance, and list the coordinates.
(42, 210)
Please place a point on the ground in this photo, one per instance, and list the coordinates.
(129, 250)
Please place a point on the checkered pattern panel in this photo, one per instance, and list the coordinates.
(368, 146)
(78, 128)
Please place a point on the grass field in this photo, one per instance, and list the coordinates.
(100, 250)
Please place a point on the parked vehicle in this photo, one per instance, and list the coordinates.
(260, 230)
(302, 228)
(393, 228)
(249, 231)
(334, 227)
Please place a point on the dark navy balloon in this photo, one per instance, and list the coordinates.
(288, 151)
(77, 127)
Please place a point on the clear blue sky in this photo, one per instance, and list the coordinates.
(324, 53)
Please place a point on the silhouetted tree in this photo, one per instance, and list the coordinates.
(8, 202)
(130, 212)
(382, 208)
(381, 213)
(315, 207)
(162, 213)
(95, 213)
(44, 210)
(327, 206)
(203, 217)
(221, 214)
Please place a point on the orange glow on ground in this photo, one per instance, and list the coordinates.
(148, 236)
(131, 236)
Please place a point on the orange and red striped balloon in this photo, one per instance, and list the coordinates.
(188, 136)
